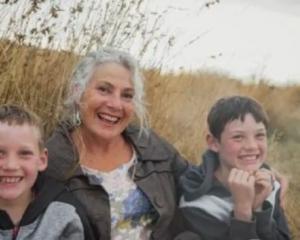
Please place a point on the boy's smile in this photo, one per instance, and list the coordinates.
(242, 145)
(10, 179)
(20, 160)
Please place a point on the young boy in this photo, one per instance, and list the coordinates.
(32, 206)
(233, 194)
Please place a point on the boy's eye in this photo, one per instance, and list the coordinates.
(261, 135)
(2, 153)
(237, 137)
(26, 153)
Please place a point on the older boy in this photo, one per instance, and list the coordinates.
(233, 194)
(32, 206)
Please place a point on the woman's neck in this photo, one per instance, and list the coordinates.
(102, 154)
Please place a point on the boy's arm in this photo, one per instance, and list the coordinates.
(209, 227)
(241, 186)
(271, 221)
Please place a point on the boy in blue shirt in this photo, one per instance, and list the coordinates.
(233, 195)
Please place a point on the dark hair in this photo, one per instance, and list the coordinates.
(230, 108)
(16, 115)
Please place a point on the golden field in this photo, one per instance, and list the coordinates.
(177, 105)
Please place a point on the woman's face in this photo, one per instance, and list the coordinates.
(106, 106)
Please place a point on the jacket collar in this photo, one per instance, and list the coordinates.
(199, 179)
(43, 197)
(148, 145)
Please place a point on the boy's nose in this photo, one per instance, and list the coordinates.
(250, 143)
(10, 163)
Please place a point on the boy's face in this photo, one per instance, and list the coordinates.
(242, 145)
(20, 160)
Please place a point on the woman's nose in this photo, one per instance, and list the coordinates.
(115, 102)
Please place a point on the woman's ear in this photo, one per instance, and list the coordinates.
(212, 142)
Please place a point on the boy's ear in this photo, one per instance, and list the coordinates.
(43, 163)
(212, 142)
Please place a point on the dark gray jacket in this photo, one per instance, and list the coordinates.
(54, 214)
(207, 208)
(158, 169)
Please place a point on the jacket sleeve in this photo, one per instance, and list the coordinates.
(262, 227)
(272, 223)
(179, 166)
(72, 231)
(88, 231)
(268, 224)
(209, 227)
(80, 228)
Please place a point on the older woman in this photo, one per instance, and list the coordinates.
(125, 176)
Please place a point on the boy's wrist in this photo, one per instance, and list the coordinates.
(243, 213)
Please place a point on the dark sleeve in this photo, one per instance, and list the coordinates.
(88, 231)
(179, 166)
(178, 163)
(209, 227)
(268, 224)
(272, 223)
(203, 224)
(242, 229)
(68, 197)
(180, 228)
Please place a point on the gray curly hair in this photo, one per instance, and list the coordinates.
(83, 72)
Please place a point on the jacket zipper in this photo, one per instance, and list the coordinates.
(15, 232)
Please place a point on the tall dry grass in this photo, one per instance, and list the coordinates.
(178, 105)
(35, 78)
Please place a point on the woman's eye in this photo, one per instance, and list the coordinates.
(128, 96)
(103, 90)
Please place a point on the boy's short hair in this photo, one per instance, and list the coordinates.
(16, 115)
(231, 108)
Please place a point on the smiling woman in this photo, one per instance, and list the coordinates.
(126, 176)
(106, 106)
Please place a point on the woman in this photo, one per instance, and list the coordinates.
(125, 176)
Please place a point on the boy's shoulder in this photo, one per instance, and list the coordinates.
(53, 213)
(199, 180)
(49, 190)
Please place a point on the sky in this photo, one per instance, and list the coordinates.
(250, 39)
